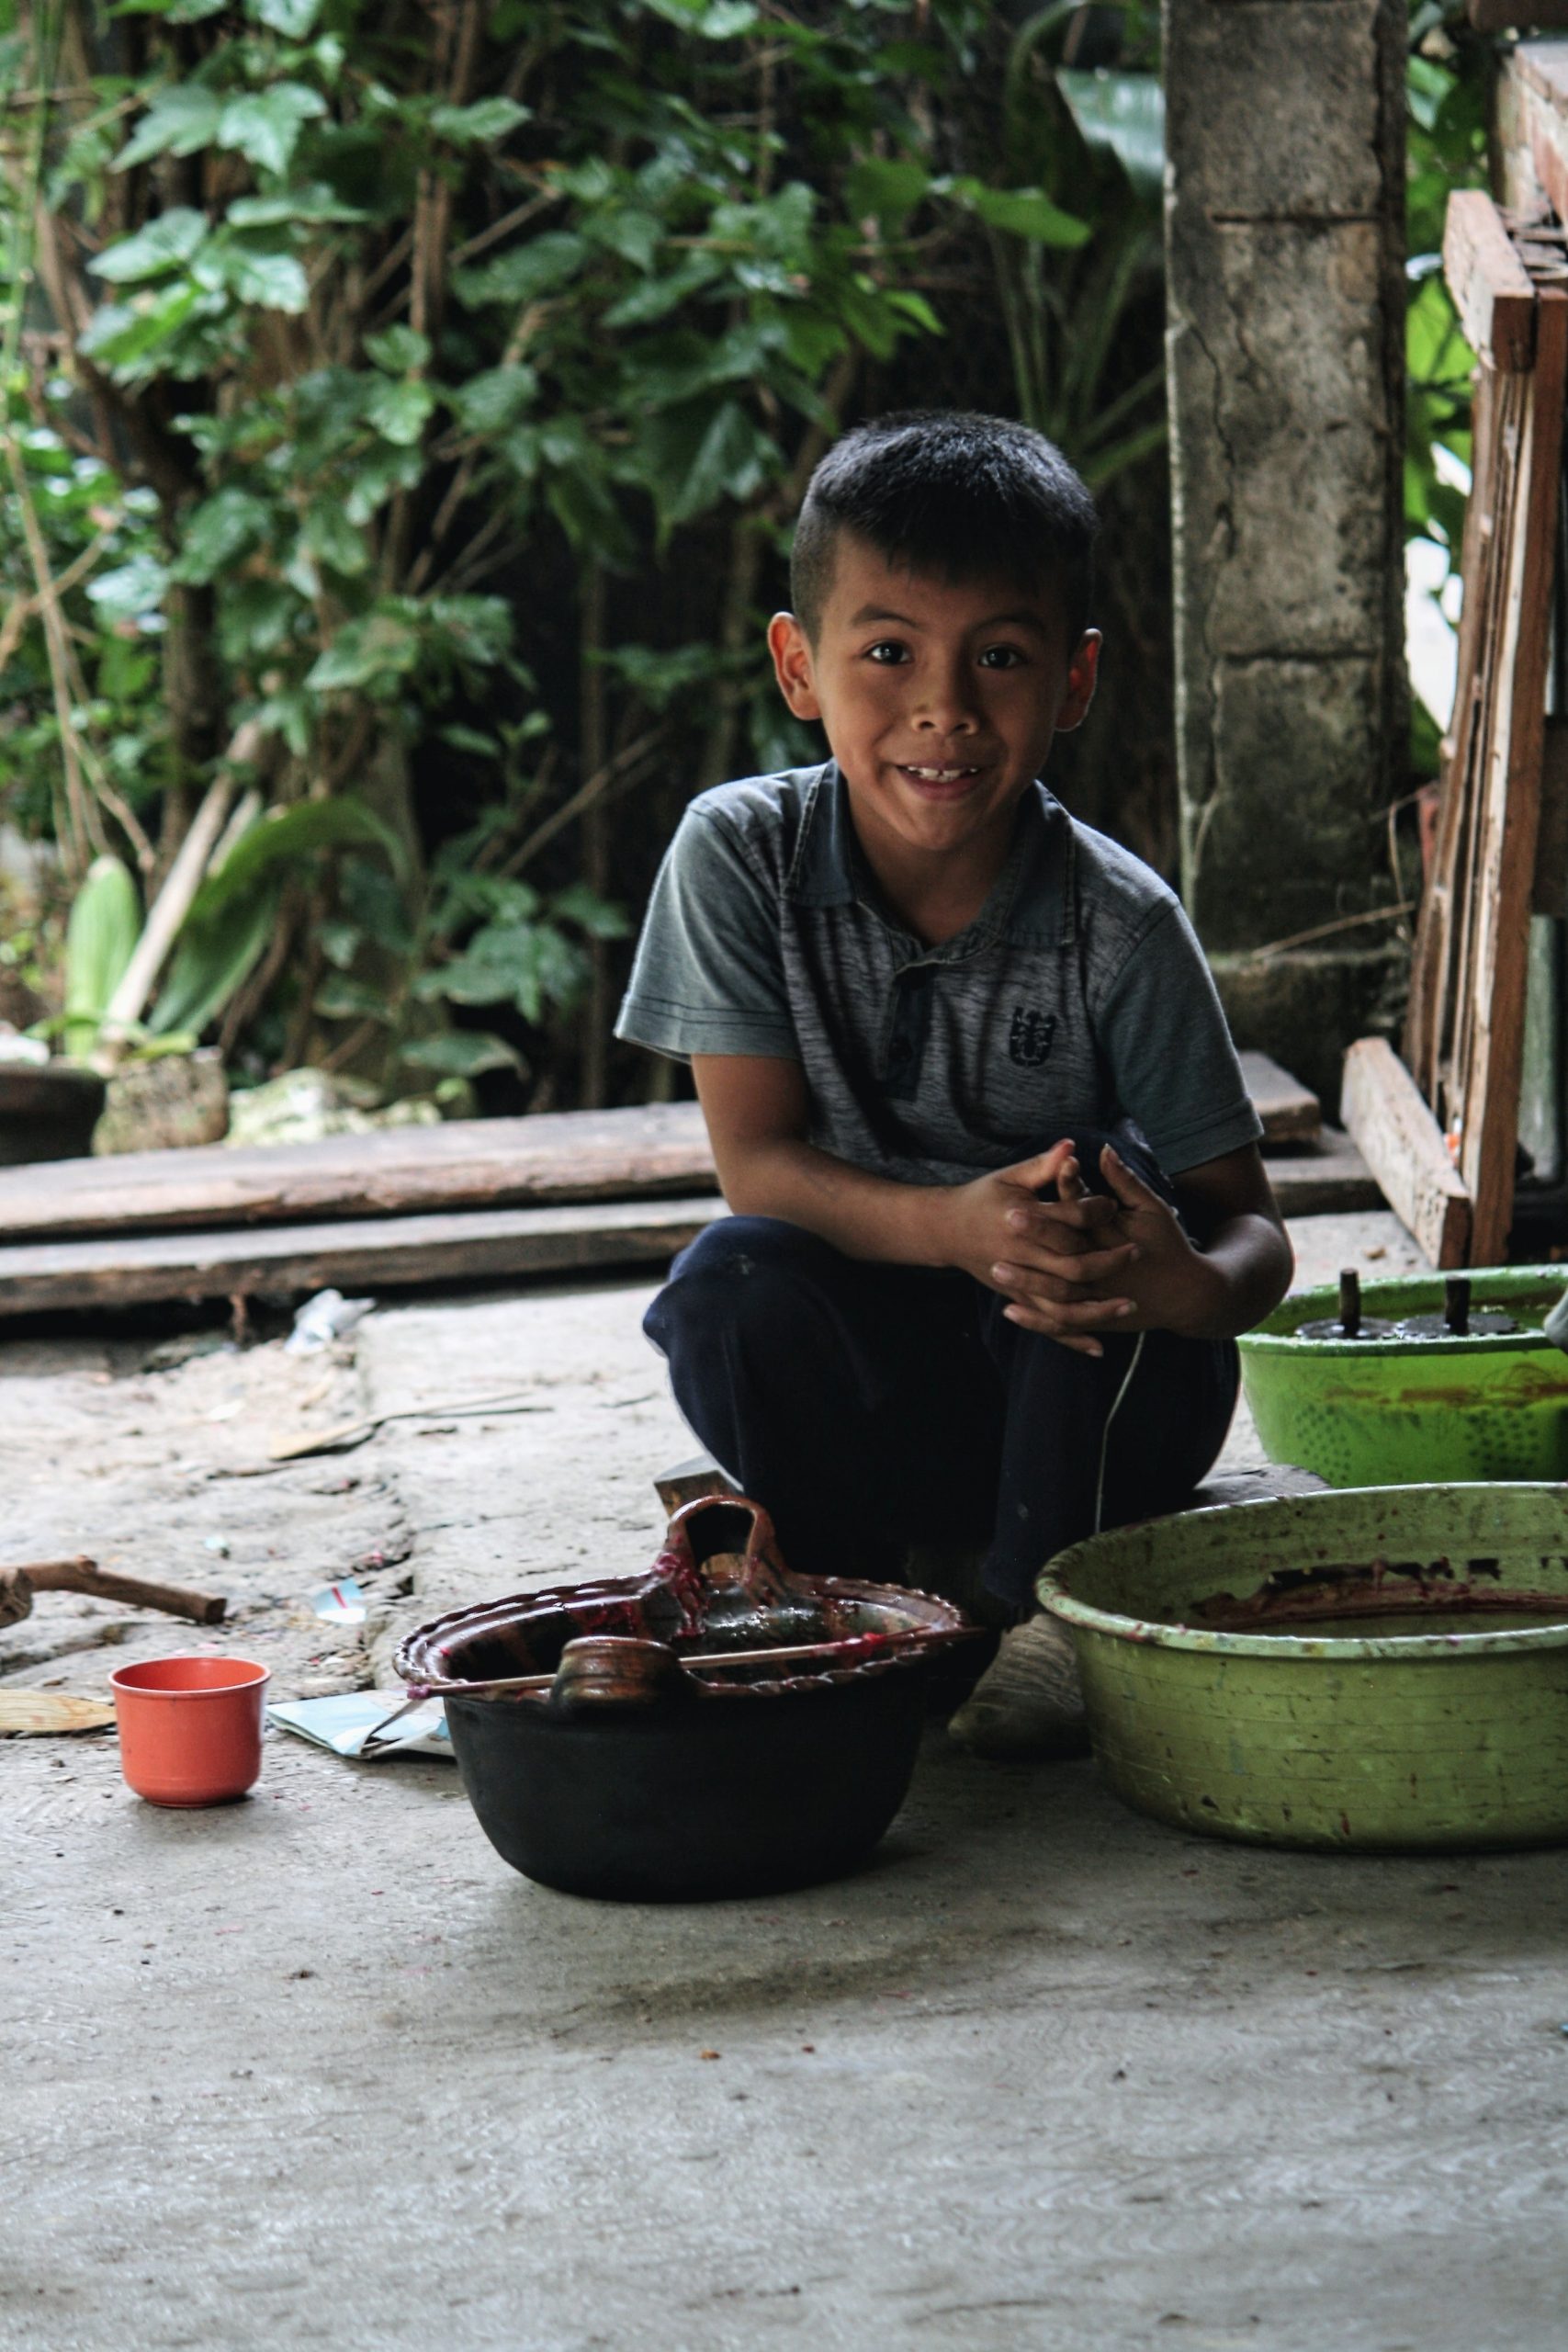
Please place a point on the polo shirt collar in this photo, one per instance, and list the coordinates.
(1032, 904)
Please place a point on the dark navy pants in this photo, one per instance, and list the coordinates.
(868, 1407)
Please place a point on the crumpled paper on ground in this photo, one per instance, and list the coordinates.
(361, 1724)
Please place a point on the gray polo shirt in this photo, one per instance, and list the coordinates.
(1078, 996)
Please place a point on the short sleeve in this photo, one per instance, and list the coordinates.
(1163, 1031)
(708, 975)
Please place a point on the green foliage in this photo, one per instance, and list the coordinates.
(1446, 87)
(106, 920)
(365, 325)
(1095, 138)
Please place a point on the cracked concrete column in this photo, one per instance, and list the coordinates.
(1284, 234)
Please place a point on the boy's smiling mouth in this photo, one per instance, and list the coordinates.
(937, 775)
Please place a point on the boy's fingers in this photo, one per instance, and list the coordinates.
(1078, 1271)
(1044, 1167)
(1070, 1185)
(1129, 1188)
(1038, 1291)
(1069, 1225)
(1077, 1216)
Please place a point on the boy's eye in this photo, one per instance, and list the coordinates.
(1003, 657)
(888, 651)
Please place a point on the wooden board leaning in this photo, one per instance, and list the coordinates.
(1465, 1032)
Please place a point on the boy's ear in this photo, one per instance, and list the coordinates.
(1082, 672)
(791, 649)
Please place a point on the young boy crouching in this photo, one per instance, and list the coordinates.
(998, 1208)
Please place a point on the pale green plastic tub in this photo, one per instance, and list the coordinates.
(1449, 1738)
(1397, 1412)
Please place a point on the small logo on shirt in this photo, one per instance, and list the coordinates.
(1029, 1040)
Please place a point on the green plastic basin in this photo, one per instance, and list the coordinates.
(1397, 1412)
(1453, 1736)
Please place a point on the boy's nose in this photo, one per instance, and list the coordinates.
(947, 707)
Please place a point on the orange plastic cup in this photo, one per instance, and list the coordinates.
(190, 1728)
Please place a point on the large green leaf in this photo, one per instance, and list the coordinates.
(315, 202)
(714, 19)
(731, 461)
(475, 628)
(264, 125)
(889, 187)
(1022, 212)
(255, 619)
(689, 363)
(635, 235)
(339, 998)
(496, 398)
(1124, 113)
(133, 344)
(380, 646)
(541, 266)
(461, 1052)
(292, 19)
(400, 409)
(106, 921)
(657, 297)
(332, 538)
(214, 956)
(479, 125)
(272, 281)
(165, 243)
(285, 835)
(178, 122)
(132, 590)
(398, 350)
(224, 526)
(377, 477)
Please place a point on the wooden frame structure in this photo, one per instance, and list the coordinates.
(1464, 1039)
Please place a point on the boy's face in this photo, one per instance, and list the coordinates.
(939, 700)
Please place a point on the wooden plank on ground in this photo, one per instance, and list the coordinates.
(463, 1164)
(369, 1256)
(1400, 1139)
(1490, 285)
(639, 1153)
(1291, 1112)
(52, 1711)
(1326, 1179)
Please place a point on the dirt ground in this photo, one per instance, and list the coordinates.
(318, 2069)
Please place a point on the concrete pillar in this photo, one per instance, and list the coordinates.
(1284, 232)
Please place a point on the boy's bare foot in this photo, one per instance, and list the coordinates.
(1028, 1701)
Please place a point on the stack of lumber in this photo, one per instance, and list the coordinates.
(1439, 1131)
(477, 1199)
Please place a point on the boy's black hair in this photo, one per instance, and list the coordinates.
(965, 496)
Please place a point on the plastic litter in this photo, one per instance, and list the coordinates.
(29, 1052)
(367, 1725)
(327, 1316)
(339, 1604)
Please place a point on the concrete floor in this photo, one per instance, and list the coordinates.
(317, 2069)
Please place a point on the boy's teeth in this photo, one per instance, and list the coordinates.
(940, 776)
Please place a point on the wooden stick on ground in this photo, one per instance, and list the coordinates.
(19, 1584)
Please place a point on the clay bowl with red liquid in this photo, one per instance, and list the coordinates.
(599, 1760)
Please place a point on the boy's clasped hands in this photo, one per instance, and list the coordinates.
(1084, 1262)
